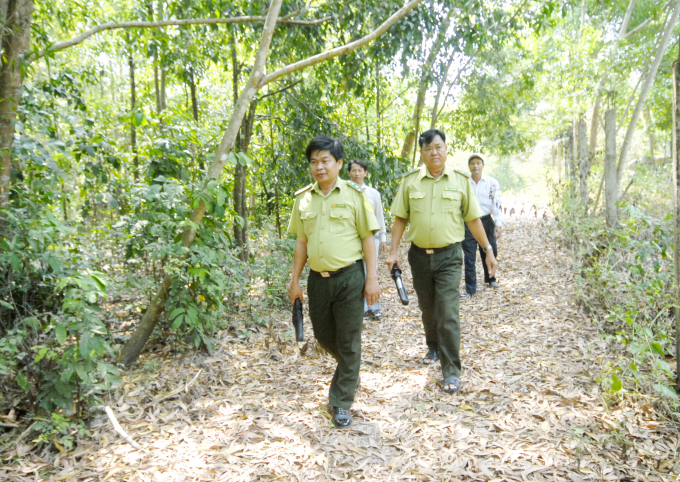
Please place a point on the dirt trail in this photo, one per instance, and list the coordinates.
(529, 409)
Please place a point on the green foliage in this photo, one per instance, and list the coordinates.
(626, 282)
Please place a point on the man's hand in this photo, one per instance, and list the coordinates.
(383, 247)
(497, 232)
(491, 263)
(372, 291)
(391, 260)
(295, 291)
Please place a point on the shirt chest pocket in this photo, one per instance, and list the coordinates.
(340, 220)
(416, 201)
(308, 222)
(451, 201)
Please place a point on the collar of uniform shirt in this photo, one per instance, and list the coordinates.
(339, 184)
(426, 172)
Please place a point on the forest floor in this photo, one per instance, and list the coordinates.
(530, 409)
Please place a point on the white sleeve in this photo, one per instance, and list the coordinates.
(496, 203)
(379, 215)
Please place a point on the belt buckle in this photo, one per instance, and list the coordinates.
(325, 274)
(429, 251)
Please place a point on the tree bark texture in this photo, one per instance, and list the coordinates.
(611, 192)
(15, 30)
(650, 134)
(257, 80)
(194, 100)
(646, 87)
(571, 154)
(241, 182)
(584, 167)
(676, 206)
(423, 85)
(133, 120)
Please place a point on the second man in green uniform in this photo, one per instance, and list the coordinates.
(437, 201)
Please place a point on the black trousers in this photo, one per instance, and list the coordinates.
(470, 246)
(436, 278)
(336, 308)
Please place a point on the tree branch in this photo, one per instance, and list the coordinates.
(282, 89)
(329, 54)
(165, 23)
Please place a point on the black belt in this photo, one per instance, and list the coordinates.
(328, 274)
(433, 250)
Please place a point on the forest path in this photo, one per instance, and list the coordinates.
(529, 408)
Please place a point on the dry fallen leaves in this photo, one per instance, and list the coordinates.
(529, 408)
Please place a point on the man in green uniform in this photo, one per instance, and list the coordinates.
(334, 224)
(437, 201)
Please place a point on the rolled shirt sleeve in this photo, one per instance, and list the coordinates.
(365, 220)
(295, 225)
(400, 205)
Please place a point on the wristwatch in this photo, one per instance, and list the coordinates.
(488, 248)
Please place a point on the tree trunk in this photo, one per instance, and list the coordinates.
(378, 114)
(276, 204)
(571, 154)
(133, 120)
(425, 78)
(584, 169)
(611, 192)
(15, 28)
(192, 87)
(650, 134)
(440, 88)
(240, 183)
(646, 87)
(676, 209)
(163, 90)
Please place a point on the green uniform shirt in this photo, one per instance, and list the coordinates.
(436, 209)
(333, 225)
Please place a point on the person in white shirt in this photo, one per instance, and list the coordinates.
(488, 192)
(358, 170)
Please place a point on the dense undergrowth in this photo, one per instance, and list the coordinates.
(626, 283)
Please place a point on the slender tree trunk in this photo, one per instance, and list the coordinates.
(646, 87)
(650, 135)
(440, 88)
(276, 203)
(163, 89)
(611, 192)
(15, 37)
(584, 169)
(194, 100)
(676, 208)
(378, 113)
(240, 183)
(571, 155)
(368, 131)
(425, 80)
(133, 122)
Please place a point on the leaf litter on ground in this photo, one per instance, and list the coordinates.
(530, 407)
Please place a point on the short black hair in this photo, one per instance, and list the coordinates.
(325, 143)
(427, 137)
(358, 163)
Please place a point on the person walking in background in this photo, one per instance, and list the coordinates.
(358, 170)
(334, 224)
(488, 193)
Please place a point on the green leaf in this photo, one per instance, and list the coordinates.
(666, 391)
(177, 322)
(22, 381)
(616, 384)
(41, 354)
(81, 372)
(139, 118)
(232, 158)
(656, 348)
(84, 345)
(633, 366)
(175, 312)
(61, 334)
(6, 305)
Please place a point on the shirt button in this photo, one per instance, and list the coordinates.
(322, 228)
(322, 241)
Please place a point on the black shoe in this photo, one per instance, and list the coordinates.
(368, 314)
(376, 315)
(431, 357)
(341, 417)
(493, 284)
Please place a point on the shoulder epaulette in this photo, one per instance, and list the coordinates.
(354, 185)
(411, 172)
(461, 173)
(300, 191)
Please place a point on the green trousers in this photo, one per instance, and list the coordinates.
(336, 308)
(436, 279)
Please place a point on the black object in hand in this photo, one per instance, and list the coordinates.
(297, 320)
(396, 276)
